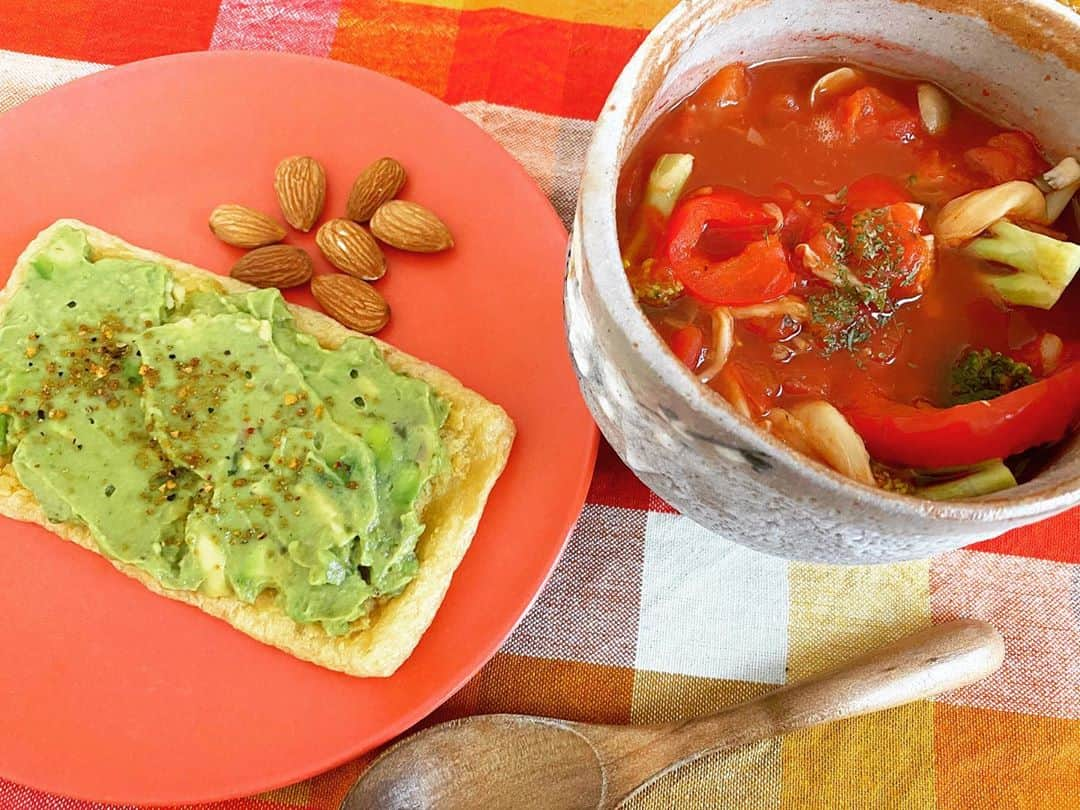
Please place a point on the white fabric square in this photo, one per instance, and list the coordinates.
(709, 607)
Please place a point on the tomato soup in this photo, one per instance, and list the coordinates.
(864, 266)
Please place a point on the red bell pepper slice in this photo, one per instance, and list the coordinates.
(760, 273)
(928, 437)
(749, 270)
(734, 213)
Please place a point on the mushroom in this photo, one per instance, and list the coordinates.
(969, 215)
(723, 333)
(934, 108)
(1065, 173)
(1060, 184)
(835, 81)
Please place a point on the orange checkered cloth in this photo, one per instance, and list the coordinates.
(649, 618)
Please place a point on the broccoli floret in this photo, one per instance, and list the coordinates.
(1044, 265)
(657, 293)
(892, 479)
(654, 284)
(983, 374)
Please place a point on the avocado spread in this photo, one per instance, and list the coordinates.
(203, 438)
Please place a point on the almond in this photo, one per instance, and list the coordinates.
(378, 183)
(274, 266)
(245, 227)
(410, 226)
(352, 302)
(351, 249)
(300, 183)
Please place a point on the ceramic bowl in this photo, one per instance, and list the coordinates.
(1016, 60)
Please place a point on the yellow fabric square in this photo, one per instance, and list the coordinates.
(620, 13)
(840, 612)
(881, 760)
(885, 760)
(747, 778)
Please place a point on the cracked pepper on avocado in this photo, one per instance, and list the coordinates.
(864, 267)
(208, 439)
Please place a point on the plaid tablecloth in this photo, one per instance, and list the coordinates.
(649, 618)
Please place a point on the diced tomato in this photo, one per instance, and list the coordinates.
(1007, 156)
(686, 344)
(888, 240)
(995, 164)
(874, 191)
(937, 179)
(758, 274)
(729, 87)
(870, 113)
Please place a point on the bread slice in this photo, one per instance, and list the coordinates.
(477, 436)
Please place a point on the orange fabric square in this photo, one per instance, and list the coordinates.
(597, 56)
(510, 58)
(408, 42)
(1053, 539)
(546, 65)
(107, 31)
(541, 686)
(989, 759)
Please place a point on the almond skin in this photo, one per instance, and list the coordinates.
(351, 249)
(351, 302)
(300, 183)
(245, 227)
(274, 266)
(378, 183)
(410, 226)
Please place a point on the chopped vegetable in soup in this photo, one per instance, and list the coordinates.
(865, 267)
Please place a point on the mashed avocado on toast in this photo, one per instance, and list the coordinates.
(204, 438)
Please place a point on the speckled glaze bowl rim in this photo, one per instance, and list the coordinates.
(602, 258)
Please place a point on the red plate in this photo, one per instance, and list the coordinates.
(108, 692)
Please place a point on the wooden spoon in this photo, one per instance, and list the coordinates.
(512, 761)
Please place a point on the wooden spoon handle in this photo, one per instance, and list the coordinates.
(940, 658)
